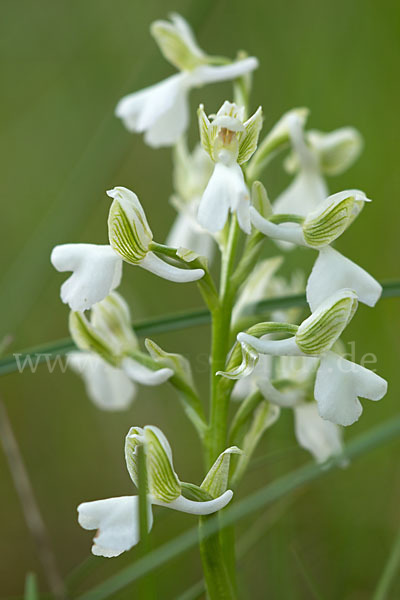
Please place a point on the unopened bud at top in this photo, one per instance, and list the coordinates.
(332, 217)
(163, 482)
(317, 334)
(128, 230)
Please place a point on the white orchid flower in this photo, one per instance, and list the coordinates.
(339, 382)
(230, 141)
(315, 154)
(161, 111)
(191, 174)
(97, 268)
(116, 519)
(317, 230)
(321, 438)
(308, 188)
(109, 360)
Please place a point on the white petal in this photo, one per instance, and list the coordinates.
(197, 508)
(184, 233)
(332, 271)
(97, 270)
(287, 232)
(159, 267)
(338, 385)
(320, 437)
(140, 110)
(286, 347)
(108, 387)
(171, 124)
(225, 190)
(130, 107)
(141, 374)
(303, 195)
(285, 399)
(210, 74)
(116, 520)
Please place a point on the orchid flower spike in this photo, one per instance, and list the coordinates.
(230, 141)
(339, 382)
(116, 519)
(97, 269)
(110, 360)
(320, 227)
(192, 171)
(161, 111)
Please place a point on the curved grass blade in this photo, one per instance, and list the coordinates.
(163, 324)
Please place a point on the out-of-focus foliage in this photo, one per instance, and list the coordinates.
(65, 63)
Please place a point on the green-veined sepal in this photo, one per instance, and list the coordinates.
(129, 233)
(332, 217)
(163, 482)
(86, 337)
(317, 334)
(177, 43)
(112, 319)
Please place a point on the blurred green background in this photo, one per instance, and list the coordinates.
(64, 66)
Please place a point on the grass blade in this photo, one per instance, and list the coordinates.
(163, 324)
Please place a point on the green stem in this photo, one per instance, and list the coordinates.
(217, 554)
(221, 322)
(218, 581)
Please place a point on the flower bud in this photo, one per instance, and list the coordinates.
(163, 482)
(332, 217)
(177, 43)
(317, 334)
(128, 230)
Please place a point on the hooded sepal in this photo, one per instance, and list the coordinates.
(177, 43)
(163, 482)
(86, 337)
(128, 230)
(317, 334)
